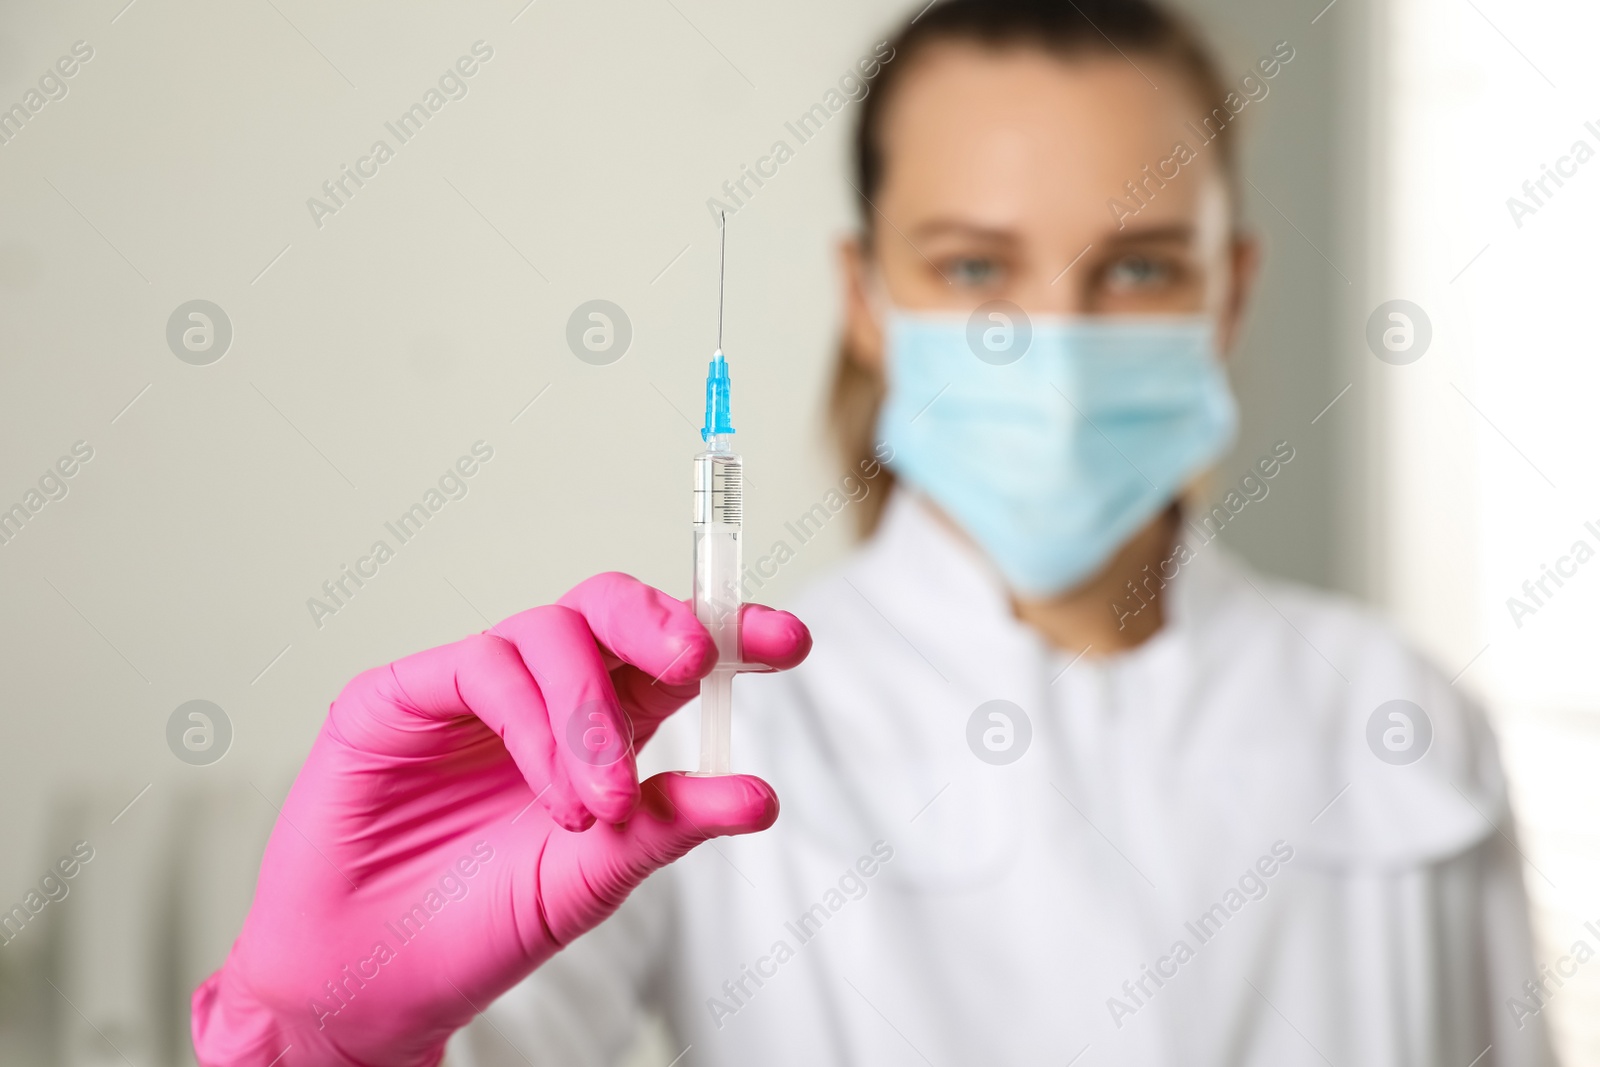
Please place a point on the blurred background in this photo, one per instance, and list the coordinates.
(353, 345)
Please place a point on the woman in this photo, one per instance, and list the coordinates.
(1060, 779)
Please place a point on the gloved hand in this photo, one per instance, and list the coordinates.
(466, 812)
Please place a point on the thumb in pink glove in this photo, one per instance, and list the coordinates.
(465, 813)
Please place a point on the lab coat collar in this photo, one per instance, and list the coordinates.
(912, 544)
(938, 588)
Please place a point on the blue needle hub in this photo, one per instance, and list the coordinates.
(718, 409)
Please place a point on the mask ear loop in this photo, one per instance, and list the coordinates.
(880, 305)
(876, 291)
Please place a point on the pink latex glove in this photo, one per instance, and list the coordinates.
(464, 814)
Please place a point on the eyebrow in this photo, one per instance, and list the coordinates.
(939, 227)
(942, 227)
(1177, 231)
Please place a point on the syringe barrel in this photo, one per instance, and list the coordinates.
(718, 486)
(716, 586)
(718, 524)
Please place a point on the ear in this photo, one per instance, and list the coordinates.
(1244, 263)
(863, 334)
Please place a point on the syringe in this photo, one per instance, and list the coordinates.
(718, 525)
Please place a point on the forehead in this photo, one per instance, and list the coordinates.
(1015, 135)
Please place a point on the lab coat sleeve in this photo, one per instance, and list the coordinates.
(1511, 955)
(586, 1005)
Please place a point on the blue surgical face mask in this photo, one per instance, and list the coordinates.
(1053, 458)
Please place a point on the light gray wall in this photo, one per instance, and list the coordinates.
(1305, 163)
(369, 353)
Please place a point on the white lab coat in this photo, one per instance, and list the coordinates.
(1020, 898)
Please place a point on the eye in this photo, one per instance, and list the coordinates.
(1138, 272)
(972, 271)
